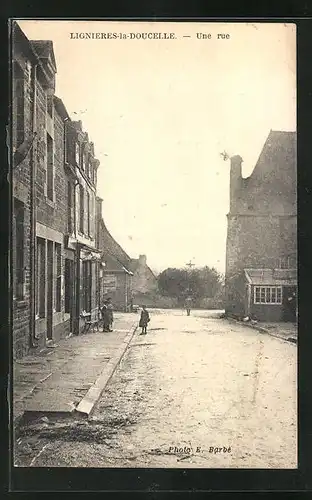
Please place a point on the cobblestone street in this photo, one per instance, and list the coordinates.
(195, 391)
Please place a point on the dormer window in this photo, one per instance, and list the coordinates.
(77, 153)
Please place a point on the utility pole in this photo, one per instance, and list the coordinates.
(189, 266)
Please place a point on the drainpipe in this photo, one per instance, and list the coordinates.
(32, 262)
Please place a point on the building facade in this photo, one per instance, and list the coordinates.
(23, 191)
(83, 259)
(144, 281)
(55, 262)
(261, 248)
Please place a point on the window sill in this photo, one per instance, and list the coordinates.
(267, 303)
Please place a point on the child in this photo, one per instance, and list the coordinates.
(144, 320)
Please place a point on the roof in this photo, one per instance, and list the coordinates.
(271, 277)
(44, 50)
(279, 152)
(110, 245)
(134, 264)
(60, 107)
(113, 265)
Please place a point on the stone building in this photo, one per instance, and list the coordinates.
(261, 248)
(144, 282)
(39, 204)
(82, 257)
(115, 279)
(55, 263)
(23, 190)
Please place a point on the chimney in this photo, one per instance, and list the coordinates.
(142, 260)
(235, 180)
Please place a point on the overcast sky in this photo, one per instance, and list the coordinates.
(160, 112)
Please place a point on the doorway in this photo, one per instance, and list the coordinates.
(290, 304)
(69, 290)
(50, 290)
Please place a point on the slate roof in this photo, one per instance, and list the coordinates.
(113, 264)
(110, 245)
(280, 151)
(271, 277)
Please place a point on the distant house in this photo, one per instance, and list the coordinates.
(144, 280)
(116, 275)
(261, 249)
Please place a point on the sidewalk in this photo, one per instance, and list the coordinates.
(72, 375)
(284, 331)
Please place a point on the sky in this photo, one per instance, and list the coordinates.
(160, 112)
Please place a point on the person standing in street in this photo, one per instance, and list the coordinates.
(188, 304)
(144, 320)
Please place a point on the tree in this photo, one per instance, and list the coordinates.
(198, 283)
(173, 283)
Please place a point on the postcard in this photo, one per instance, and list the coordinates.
(154, 244)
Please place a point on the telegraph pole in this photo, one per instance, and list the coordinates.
(189, 266)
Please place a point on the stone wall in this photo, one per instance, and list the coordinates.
(21, 105)
(262, 222)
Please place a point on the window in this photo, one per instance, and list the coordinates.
(70, 208)
(50, 106)
(85, 162)
(50, 168)
(92, 216)
(58, 277)
(18, 249)
(18, 106)
(88, 213)
(81, 209)
(77, 150)
(268, 295)
(40, 279)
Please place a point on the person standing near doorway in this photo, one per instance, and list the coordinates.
(105, 316)
(110, 309)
